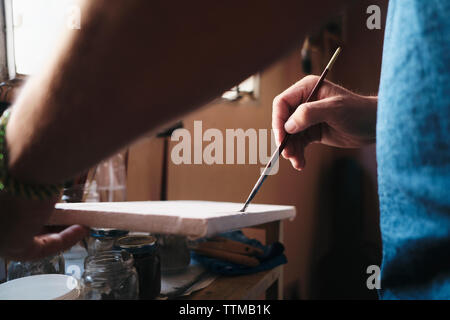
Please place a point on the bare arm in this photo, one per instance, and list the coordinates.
(134, 66)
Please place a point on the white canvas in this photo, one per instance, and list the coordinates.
(190, 218)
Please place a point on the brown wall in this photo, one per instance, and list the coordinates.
(308, 237)
(234, 182)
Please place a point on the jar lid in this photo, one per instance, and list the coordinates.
(108, 261)
(107, 233)
(136, 243)
(41, 287)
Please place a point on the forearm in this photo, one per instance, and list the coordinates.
(136, 65)
(372, 109)
(20, 221)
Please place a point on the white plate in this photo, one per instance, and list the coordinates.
(41, 287)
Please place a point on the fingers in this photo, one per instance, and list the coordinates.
(280, 113)
(52, 229)
(309, 114)
(295, 149)
(286, 102)
(303, 121)
(298, 92)
(52, 243)
(56, 242)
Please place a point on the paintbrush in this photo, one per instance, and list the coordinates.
(276, 154)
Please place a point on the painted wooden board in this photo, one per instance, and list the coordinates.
(191, 218)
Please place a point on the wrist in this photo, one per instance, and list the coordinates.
(371, 106)
(9, 184)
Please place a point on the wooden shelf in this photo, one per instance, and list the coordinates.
(246, 287)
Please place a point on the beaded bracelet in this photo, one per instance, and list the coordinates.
(14, 187)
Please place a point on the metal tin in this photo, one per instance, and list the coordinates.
(146, 261)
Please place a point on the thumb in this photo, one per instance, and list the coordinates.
(48, 244)
(308, 114)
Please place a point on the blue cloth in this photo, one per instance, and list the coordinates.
(413, 151)
(272, 256)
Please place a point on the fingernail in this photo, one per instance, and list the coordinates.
(290, 126)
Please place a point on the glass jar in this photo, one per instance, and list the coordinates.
(111, 178)
(110, 275)
(50, 265)
(147, 262)
(103, 240)
(174, 252)
(73, 193)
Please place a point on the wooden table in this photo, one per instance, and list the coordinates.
(268, 284)
(193, 219)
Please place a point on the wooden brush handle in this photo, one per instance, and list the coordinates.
(221, 243)
(228, 256)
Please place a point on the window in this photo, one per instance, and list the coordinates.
(247, 88)
(37, 25)
(32, 29)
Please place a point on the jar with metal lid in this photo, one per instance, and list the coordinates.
(147, 262)
(103, 239)
(54, 264)
(110, 275)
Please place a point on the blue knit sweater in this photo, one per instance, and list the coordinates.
(413, 151)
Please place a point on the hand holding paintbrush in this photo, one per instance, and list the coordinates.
(280, 148)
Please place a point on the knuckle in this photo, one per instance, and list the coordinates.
(338, 101)
(304, 114)
(310, 78)
(277, 101)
